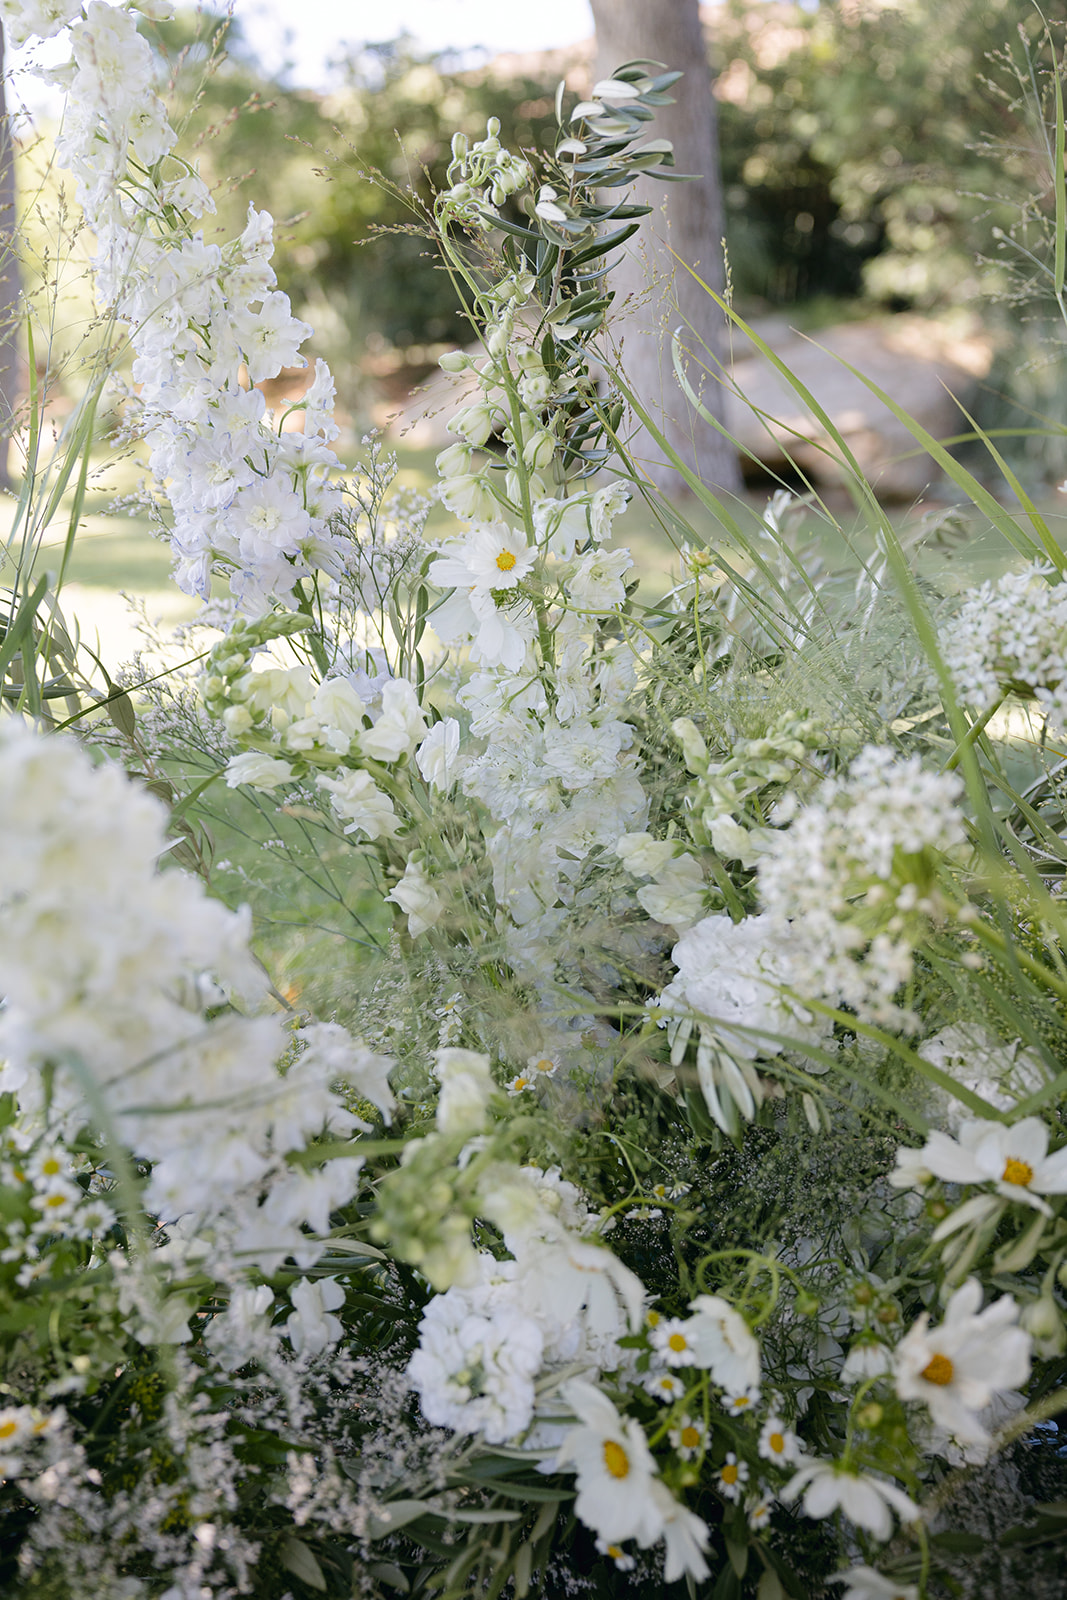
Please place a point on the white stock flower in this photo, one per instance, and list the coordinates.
(466, 1085)
(476, 1363)
(869, 1502)
(959, 1367)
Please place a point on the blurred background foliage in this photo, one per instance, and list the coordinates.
(871, 151)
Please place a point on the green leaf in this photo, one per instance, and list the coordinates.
(396, 1515)
(299, 1559)
(387, 1573)
(738, 1554)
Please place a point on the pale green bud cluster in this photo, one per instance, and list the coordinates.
(480, 177)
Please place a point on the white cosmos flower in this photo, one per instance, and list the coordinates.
(1014, 1158)
(723, 1343)
(684, 1534)
(866, 1584)
(957, 1369)
(614, 1465)
(490, 557)
(868, 1502)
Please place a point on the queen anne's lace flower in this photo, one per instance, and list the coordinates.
(1011, 636)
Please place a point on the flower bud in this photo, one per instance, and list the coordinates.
(1043, 1321)
(454, 361)
(539, 451)
(694, 750)
(459, 145)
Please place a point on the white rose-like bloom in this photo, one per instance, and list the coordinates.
(731, 973)
(400, 726)
(868, 1502)
(614, 1465)
(1015, 1159)
(722, 1342)
(417, 897)
(1001, 1074)
(312, 1327)
(866, 1584)
(41, 19)
(258, 770)
(356, 797)
(958, 1368)
(466, 1085)
(437, 757)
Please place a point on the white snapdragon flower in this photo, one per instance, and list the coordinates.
(614, 1466)
(676, 894)
(1014, 1159)
(958, 1368)
(867, 1501)
(313, 1328)
(438, 757)
(400, 727)
(644, 856)
(356, 797)
(338, 710)
(258, 770)
(417, 898)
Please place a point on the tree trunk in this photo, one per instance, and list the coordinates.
(654, 294)
(9, 284)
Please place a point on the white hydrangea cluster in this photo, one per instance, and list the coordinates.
(107, 967)
(732, 984)
(856, 873)
(205, 321)
(1010, 636)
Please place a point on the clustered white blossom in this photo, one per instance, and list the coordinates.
(205, 321)
(855, 871)
(1010, 636)
(107, 966)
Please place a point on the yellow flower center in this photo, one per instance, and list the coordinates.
(729, 1473)
(1019, 1172)
(50, 1167)
(505, 560)
(741, 1402)
(615, 1459)
(653, 1319)
(55, 1200)
(546, 1064)
(615, 1551)
(521, 1083)
(690, 1438)
(678, 1342)
(777, 1443)
(7, 1429)
(939, 1370)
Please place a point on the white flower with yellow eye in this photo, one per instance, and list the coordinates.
(743, 1400)
(673, 1343)
(689, 1437)
(541, 1066)
(664, 1386)
(614, 1465)
(958, 1368)
(489, 558)
(1015, 1159)
(778, 1444)
(521, 1084)
(616, 1553)
(732, 1477)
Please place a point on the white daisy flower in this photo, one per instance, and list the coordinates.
(624, 1562)
(740, 1402)
(542, 1066)
(614, 1466)
(490, 557)
(689, 1437)
(959, 1367)
(778, 1444)
(673, 1344)
(759, 1512)
(664, 1386)
(732, 1477)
